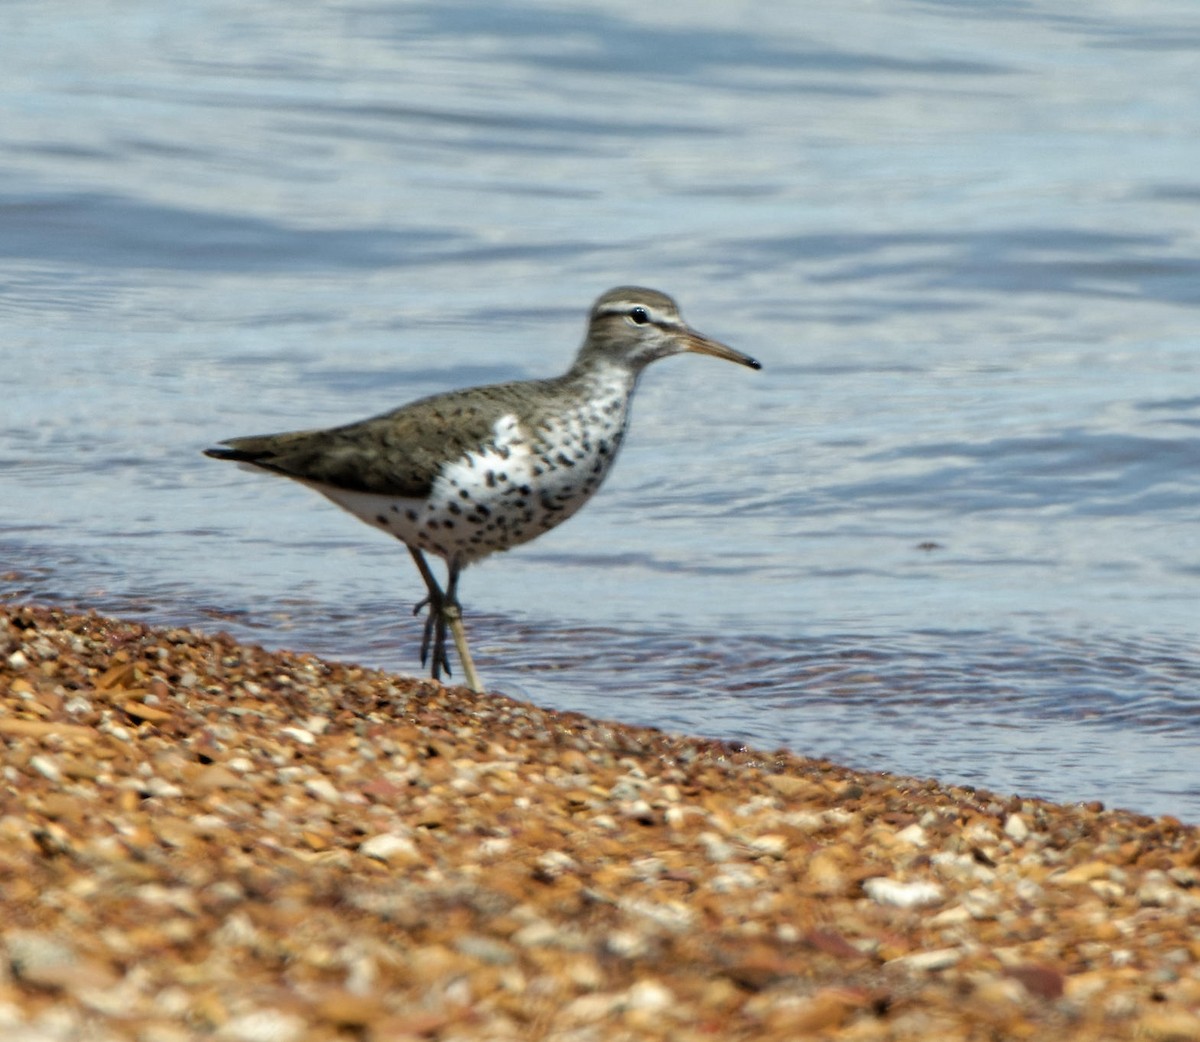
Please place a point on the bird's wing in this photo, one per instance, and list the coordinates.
(396, 454)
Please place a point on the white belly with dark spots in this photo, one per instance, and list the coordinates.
(522, 483)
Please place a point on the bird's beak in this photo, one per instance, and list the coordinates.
(702, 345)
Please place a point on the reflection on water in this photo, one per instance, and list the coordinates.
(950, 529)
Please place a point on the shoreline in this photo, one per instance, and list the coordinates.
(200, 838)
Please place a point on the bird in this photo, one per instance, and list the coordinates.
(466, 473)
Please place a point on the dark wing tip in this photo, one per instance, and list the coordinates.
(231, 452)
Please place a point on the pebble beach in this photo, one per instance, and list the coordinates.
(202, 839)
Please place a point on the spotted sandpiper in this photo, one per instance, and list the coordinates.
(466, 473)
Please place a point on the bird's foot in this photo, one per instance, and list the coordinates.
(441, 611)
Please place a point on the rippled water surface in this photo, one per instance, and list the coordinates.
(950, 530)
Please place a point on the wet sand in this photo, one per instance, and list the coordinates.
(202, 839)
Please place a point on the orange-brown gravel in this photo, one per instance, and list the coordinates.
(202, 839)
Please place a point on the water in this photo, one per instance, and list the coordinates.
(950, 530)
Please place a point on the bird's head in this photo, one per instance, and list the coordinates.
(635, 326)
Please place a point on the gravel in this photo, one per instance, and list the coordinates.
(201, 839)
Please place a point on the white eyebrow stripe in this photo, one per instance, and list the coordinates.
(625, 306)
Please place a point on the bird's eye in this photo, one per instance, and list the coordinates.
(639, 316)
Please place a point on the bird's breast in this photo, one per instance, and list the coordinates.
(531, 475)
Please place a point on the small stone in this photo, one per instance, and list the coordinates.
(639, 811)
(735, 876)
(930, 961)
(264, 1025)
(485, 949)
(649, 995)
(538, 934)
(40, 958)
(919, 894)
(1082, 874)
(1016, 829)
(997, 992)
(1157, 891)
(956, 915)
(17, 660)
(1046, 982)
(553, 864)
(1110, 891)
(322, 789)
(825, 874)
(791, 787)
(627, 944)
(390, 848)
(716, 848)
(162, 788)
(298, 734)
(809, 1015)
(982, 903)
(217, 776)
(349, 1010)
(770, 844)
(46, 767)
(588, 1009)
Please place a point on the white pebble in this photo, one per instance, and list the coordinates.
(388, 847)
(914, 836)
(494, 847)
(956, 915)
(264, 1025)
(638, 810)
(1016, 829)
(588, 1009)
(299, 734)
(649, 995)
(772, 844)
(322, 789)
(733, 877)
(938, 959)
(626, 944)
(537, 934)
(715, 847)
(887, 891)
(555, 863)
(648, 868)
(17, 660)
(1157, 891)
(163, 789)
(983, 903)
(46, 767)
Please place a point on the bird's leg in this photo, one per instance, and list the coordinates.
(444, 610)
(435, 621)
(452, 611)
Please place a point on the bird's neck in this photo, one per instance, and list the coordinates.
(601, 377)
(599, 391)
